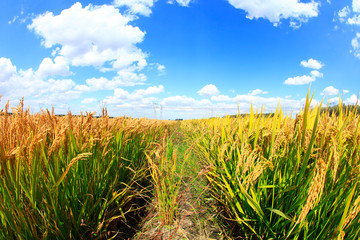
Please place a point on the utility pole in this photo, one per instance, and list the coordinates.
(154, 107)
(161, 112)
(157, 106)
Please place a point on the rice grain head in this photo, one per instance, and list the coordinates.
(315, 190)
(353, 213)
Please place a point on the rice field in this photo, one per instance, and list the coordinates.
(71, 177)
(252, 176)
(281, 178)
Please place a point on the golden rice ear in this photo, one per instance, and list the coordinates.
(353, 213)
(315, 190)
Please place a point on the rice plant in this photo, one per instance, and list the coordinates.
(70, 177)
(273, 176)
(279, 177)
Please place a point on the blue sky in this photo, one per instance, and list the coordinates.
(183, 58)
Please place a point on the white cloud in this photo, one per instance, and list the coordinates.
(316, 74)
(352, 100)
(129, 78)
(209, 91)
(220, 98)
(142, 7)
(183, 3)
(356, 6)
(141, 64)
(89, 100)
(343, 13)
(305, 79)
(26, 83)
(345, 91)
(355, 45)
(179, 101)
(59, 86)
(13, 20)
(7, 70)
(330, 91)
(275, 10)
(188, 106)
(123, 79)
(312, 63)
(257, 92)
(299, 80)
(97, 84)
(355, 20)
(49, 67)
(91, 36)
(161, 69)
(150, 91)
(295, 24)
(137, 98)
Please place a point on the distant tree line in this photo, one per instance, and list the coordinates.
(331, 109)
(335, 109)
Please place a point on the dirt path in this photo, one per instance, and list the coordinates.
(195, 218)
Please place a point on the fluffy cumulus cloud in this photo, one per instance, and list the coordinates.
(188, 107)
(348, 16)
(91, 36)
(7, 69)
(150, 91)
(15, 84)
(183, 3)
(353, 99)
(89, 100)
(330, 91)
(356, 6)
(312, 63)
(140, 97)
(344, 13)
(58, 67)
(161, 69)
(306, 79)
(316, 74)
(299, 80)
(209, 91)
(142, 7)
(85, 36)
(220, 98)
(257, 92)
(275, 10)
(355, 45)
(123, 79)
(354, 20)
(184, 102)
